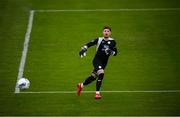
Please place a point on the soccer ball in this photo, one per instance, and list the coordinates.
(23, 83)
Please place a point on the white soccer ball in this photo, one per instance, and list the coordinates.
(23, 83)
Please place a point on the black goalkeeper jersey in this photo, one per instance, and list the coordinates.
(102, 44)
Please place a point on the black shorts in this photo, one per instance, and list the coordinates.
(98, 64)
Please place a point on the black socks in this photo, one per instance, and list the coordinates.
(99, 81)
(89, 80)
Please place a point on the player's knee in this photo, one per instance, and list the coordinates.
(94, 75)
(101, 71)
(100, 77)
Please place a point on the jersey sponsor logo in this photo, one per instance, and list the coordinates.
(106, 46)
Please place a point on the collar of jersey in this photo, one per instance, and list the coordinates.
(107, 39)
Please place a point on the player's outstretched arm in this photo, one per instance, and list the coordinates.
(83, 50)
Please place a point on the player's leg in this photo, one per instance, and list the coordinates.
(99, 68)
(99, 80)
(90, 79)
(100, 73)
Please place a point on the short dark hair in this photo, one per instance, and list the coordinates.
(107, 27)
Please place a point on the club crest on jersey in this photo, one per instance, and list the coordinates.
(109, 42)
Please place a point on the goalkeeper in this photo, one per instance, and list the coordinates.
(105, 46)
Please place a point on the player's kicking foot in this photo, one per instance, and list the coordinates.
(79, 88)
(97, 96)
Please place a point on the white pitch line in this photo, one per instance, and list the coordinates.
(106, 10)
(130, 91)
(25, 49)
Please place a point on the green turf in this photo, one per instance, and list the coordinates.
(148, 59)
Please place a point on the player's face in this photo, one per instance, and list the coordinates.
(106, 33)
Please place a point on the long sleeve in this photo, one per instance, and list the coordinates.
(114, 49)
(92, 43)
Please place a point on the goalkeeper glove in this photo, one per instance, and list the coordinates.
(109, 51)
(82, 52)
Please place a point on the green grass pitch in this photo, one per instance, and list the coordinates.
(148, 59)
